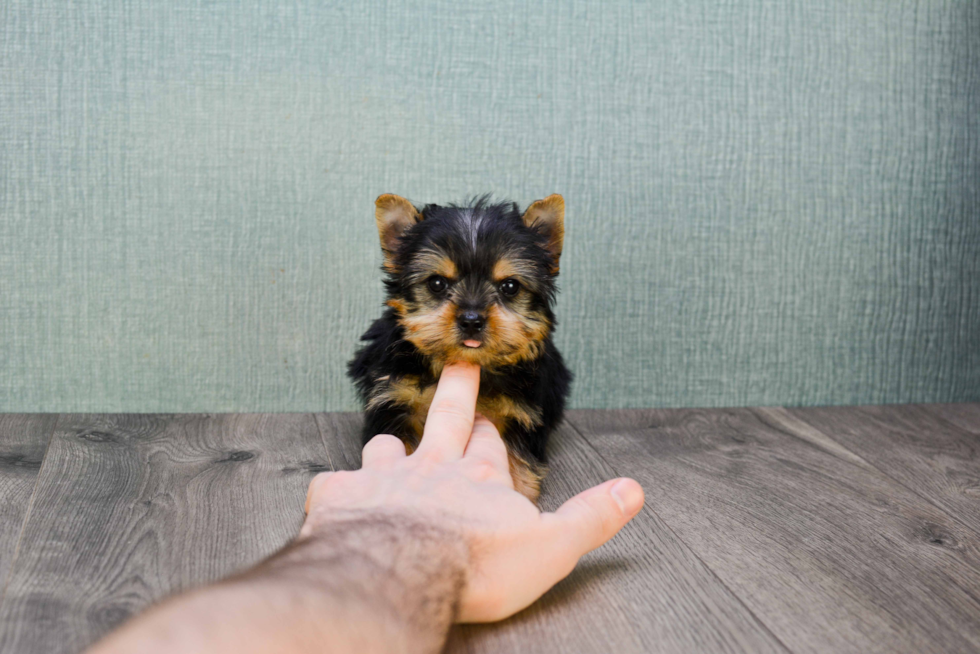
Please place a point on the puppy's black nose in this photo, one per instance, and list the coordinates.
(470, 322)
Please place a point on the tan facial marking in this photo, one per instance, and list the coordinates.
(432, 332)
(503, 269)
(509, 337)
(507, 268)
(514, 337)
(433, 262)
(398, 305)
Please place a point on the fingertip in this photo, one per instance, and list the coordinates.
(597, 514)
(628, 495)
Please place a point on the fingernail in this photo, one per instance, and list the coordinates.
(628, 495)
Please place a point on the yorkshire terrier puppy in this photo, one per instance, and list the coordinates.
(472, 284)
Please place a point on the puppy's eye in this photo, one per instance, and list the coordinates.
(509, 287)
(437, 284)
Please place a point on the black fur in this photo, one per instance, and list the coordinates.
(542, 383)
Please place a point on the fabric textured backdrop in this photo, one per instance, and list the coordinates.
(768, 202)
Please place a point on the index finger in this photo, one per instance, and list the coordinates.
(450, 420)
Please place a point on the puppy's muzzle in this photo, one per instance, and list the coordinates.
(471, 324)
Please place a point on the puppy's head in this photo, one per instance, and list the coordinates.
(472, 283)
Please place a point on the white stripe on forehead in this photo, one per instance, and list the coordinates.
(473, 221)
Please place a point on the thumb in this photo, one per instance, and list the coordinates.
(594, 516)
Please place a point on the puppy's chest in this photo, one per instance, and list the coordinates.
(416, 396)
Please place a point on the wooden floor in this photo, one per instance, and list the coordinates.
(765, 530)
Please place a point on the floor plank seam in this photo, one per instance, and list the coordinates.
(693, 553)
(27, 514)
(323, 442)
(945, 511)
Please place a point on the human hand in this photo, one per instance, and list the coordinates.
(458, 482)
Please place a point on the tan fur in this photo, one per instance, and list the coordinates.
(501, 409)
(509, 337)
(393, 215)
(433, 332)
(549, 215)
(527, 477)
(434, 262)
(407, 392)
(398, 305)
(519, 270)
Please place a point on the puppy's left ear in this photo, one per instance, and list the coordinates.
(548, 218)
(394, 215)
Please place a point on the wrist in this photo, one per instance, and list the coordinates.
(400, 570)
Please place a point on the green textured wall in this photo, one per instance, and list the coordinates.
(769, 202)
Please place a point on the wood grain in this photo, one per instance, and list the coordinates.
(830, 555)
(130, 508)
(964, 416)
(644, 591)
(23, 441)
(928, 455)
(341, 434)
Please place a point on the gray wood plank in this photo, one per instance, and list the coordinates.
(914, 446)
(644, 591)
(23, 441)
(964, 416)
(829, 554)
(341, 433)
(130, 508)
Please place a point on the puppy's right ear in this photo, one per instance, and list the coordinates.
(394, 214)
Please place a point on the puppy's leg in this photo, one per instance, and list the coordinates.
(391, 419)
(525, 456)
(527, 474)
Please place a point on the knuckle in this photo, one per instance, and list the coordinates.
(449, 412)
(482, 470)
(428, 459)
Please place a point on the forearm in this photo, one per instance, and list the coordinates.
(369, 583)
